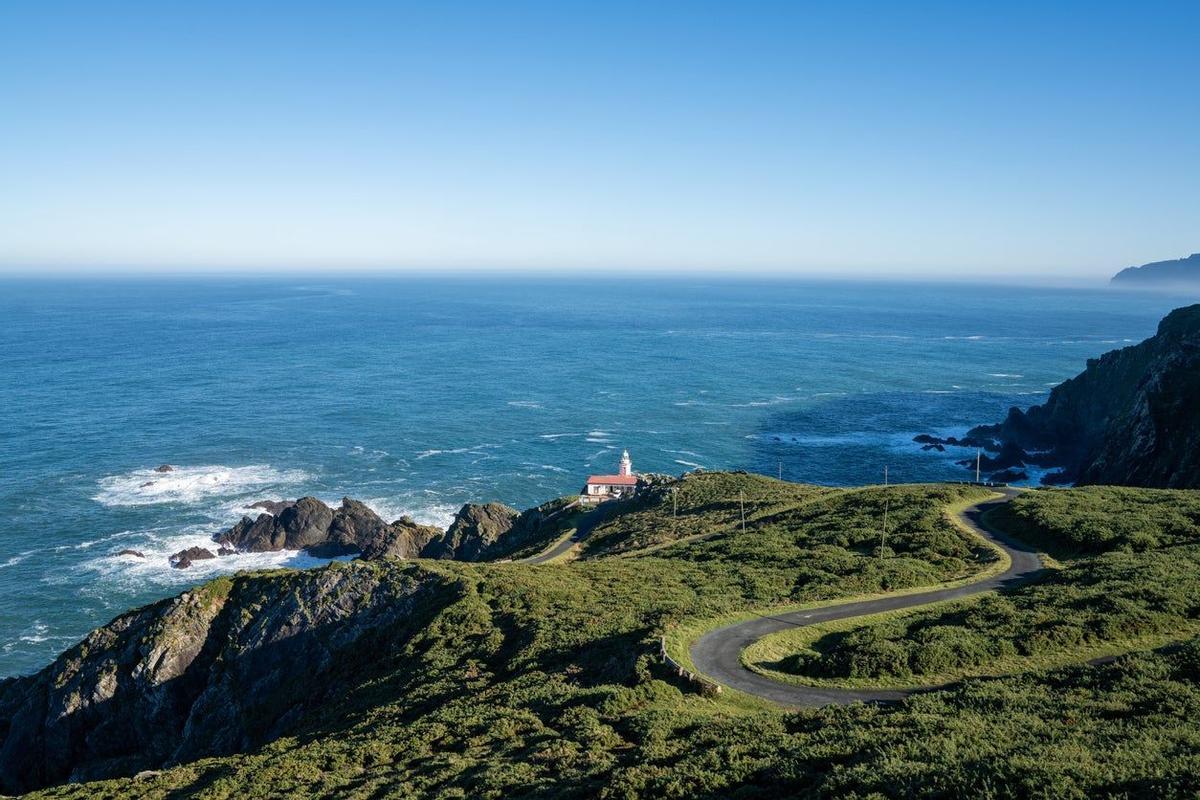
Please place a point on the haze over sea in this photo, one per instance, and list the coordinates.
(420, 394)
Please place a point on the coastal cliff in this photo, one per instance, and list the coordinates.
(1132, 417)
(1179, 271)
(221, 669)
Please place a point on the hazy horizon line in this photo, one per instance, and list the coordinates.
(625, 272)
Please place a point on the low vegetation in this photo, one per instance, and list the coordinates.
(1137, 586)
(545, 682)
(1099, 519)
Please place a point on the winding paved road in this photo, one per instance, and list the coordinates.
(589, 521)
(717, 654)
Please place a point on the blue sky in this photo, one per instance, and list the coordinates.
(904, 139)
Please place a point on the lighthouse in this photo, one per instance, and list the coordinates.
(611, 487)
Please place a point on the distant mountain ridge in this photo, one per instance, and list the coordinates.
(1179, 270)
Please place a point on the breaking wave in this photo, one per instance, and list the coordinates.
(192, 484)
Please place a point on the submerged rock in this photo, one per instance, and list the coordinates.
(164, 468)
(128, 552)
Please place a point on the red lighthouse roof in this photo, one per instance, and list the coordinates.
(613, 480)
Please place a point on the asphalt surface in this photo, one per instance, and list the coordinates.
(717, 654)
(586, 524)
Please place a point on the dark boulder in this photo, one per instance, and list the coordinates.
(164, 468)
(299, 525)
(129, 552)
(184, 558)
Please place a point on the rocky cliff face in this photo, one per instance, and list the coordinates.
(475, 529)
(1131, 418)
(218, 670)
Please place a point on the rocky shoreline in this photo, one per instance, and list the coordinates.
(478, 532)
(1130, 418)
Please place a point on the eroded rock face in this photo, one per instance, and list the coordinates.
(297, 526)
(310, 525)
(1130, 418)
(218, 670)
(476, 527)
(404, 538)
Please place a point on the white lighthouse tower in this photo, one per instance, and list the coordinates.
(626, 467)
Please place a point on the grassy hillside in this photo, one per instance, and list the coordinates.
(1130, 578)
(544, 682)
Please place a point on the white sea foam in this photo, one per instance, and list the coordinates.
(774, 401)
(17, 559)
(436, 513)
(1005, 375)
(525, 404)
(427, 453)
(557, 435)
(191, 484)
(36, 633)
(455, 451)
(691, 464)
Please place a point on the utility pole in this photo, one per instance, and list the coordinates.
(674, 510)
(781, 469)
(742, 503)
(978, 456)
(883, 536)
(885, 475)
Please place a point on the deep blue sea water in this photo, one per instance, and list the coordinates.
(418, 395)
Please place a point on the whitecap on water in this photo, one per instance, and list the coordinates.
(191, 484)
(435, 513)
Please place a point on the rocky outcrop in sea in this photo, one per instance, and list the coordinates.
(479, 531)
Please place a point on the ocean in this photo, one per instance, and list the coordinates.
(420, 394)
